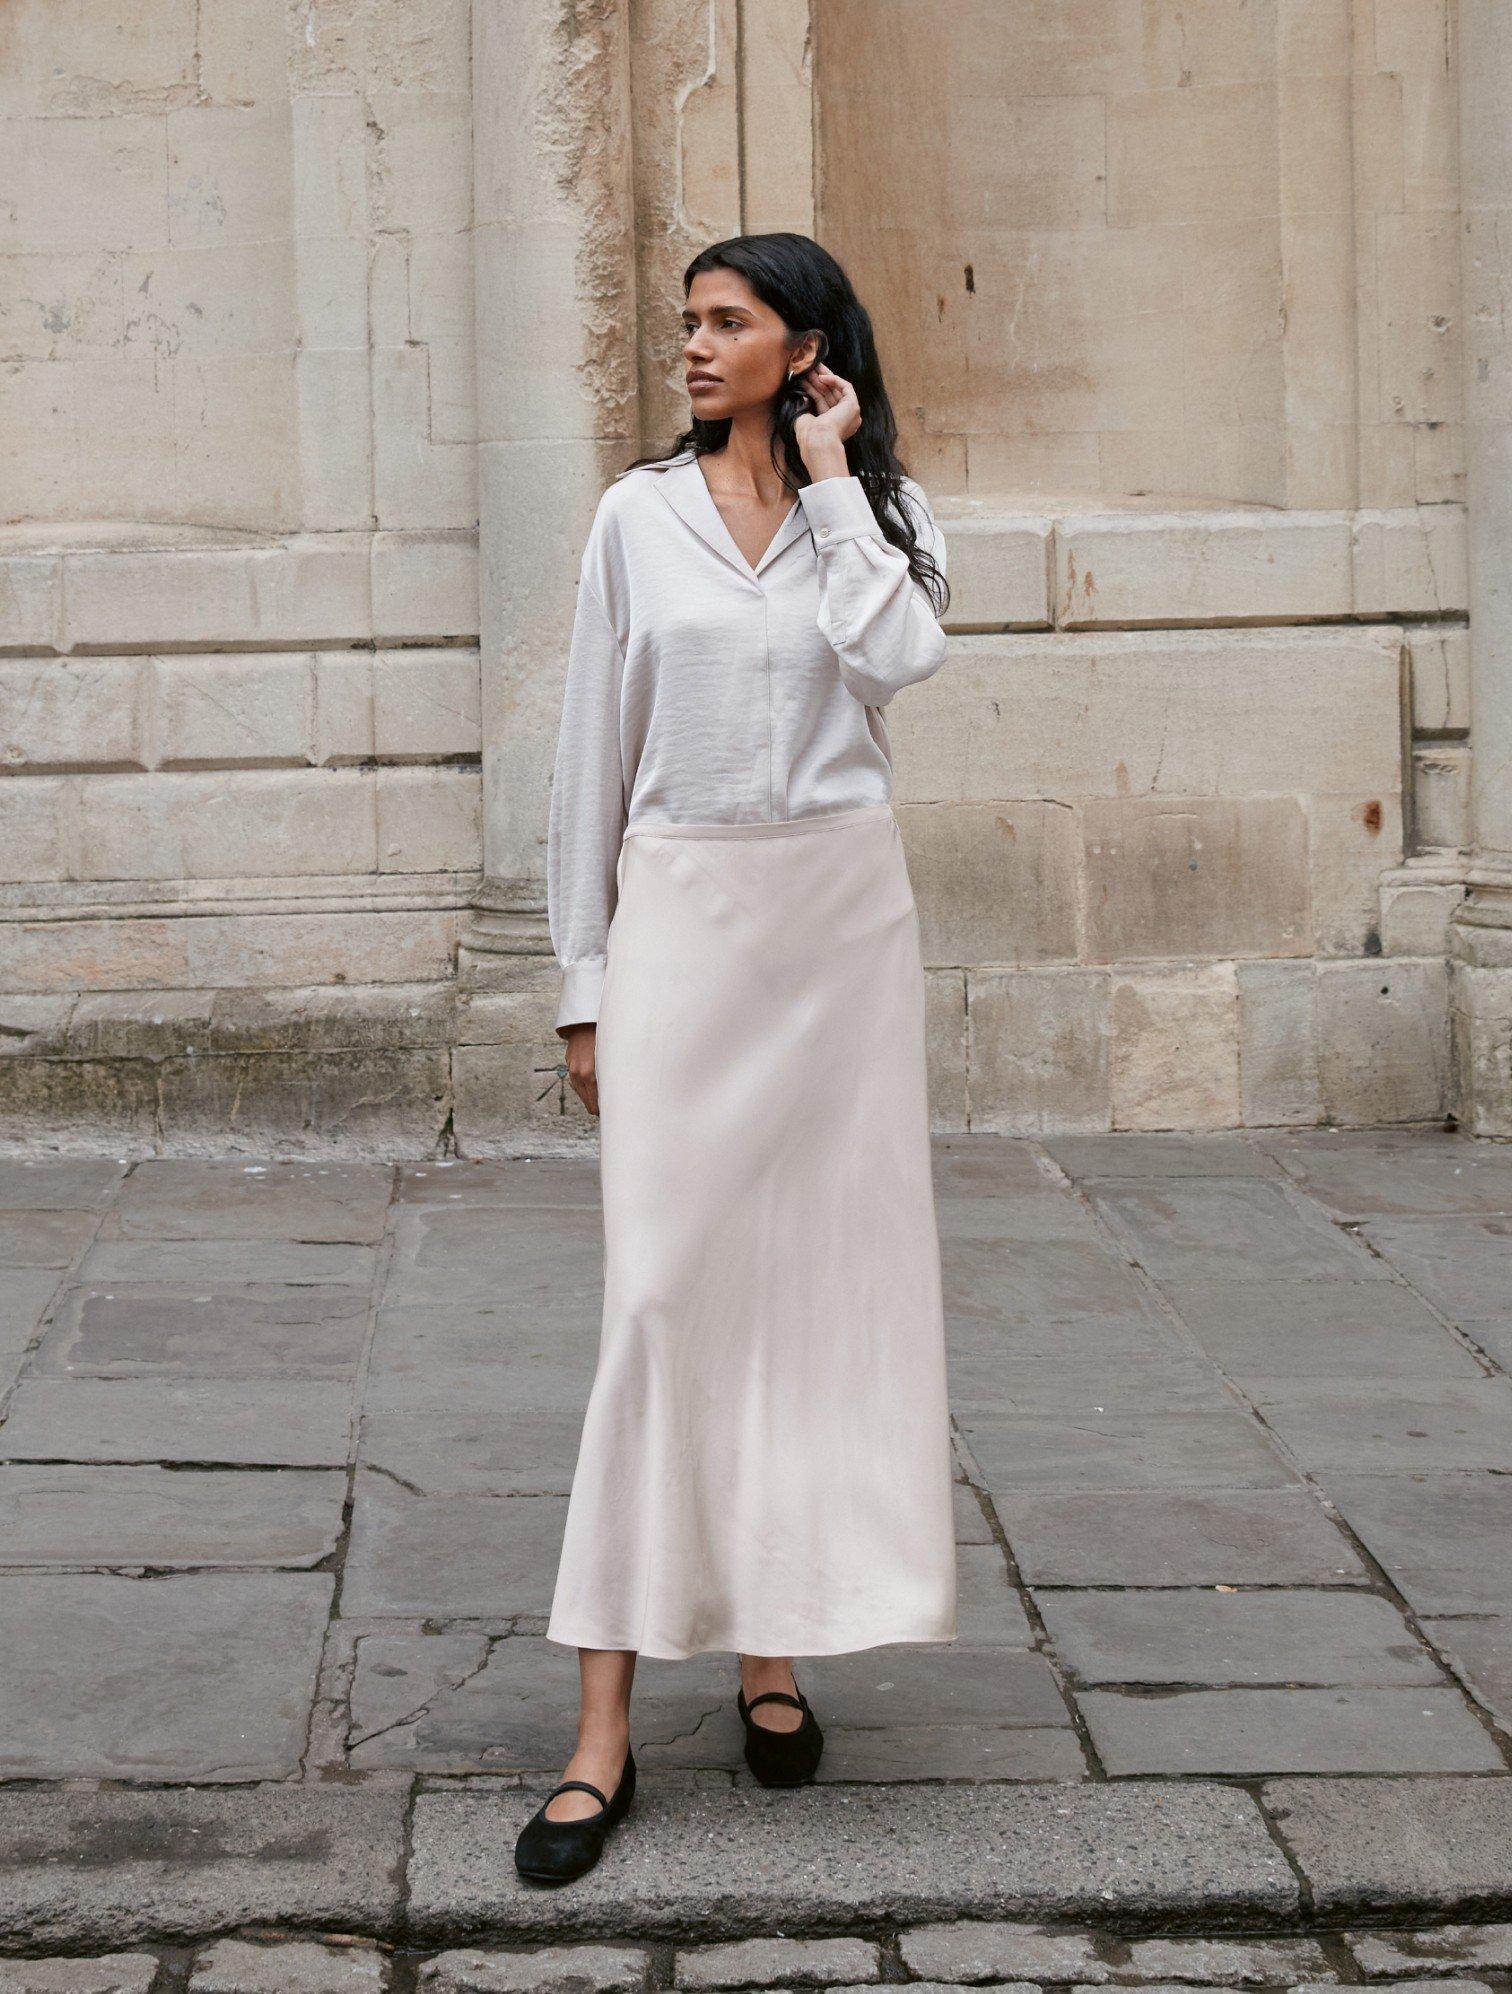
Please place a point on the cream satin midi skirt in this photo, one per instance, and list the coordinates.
(765, 1464)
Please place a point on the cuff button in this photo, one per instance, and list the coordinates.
(824, 533)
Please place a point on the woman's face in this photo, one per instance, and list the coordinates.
(737, 343)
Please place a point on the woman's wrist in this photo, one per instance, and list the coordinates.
(827, 464)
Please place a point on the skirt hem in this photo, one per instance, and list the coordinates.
(732, 1646)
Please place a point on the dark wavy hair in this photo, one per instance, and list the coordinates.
(810, 291)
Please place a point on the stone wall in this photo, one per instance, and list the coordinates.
(302, 305)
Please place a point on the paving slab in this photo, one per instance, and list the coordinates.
(1445, 1948)
(1463, 1266)
(1363, 1173)
(1039, 1281)
(146, 1330)
(203, 1198)
(555, 1182)
(966, 1752)
(1158, 1153)
(450, 1557)
(215, 1265)
(1230, 1962)
(1244, 1732)
(24, 1296)
(1134, 1450)
(1172, 1537)
(1420, 1845)
(1444, 1540)
(455, 1450)
(695, 1861)
(973, 1950)
(62, 1183)
(1334, 1426)
(299, 1966)
(233, 1421)
(971, 1166)
(450, 1255)
(773, 1962)
(196, 1676)
(110, 1973)
(547, 1970)
(994, 1380)
(167, 1863)
(1232, 1229)
(1481, 1652)
(45, 1238)
(98, 1516)
(1302, 1330)
(1213, 1638)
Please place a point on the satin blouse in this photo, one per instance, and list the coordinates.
(701, 689)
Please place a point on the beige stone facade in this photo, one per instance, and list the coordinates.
(324, 322)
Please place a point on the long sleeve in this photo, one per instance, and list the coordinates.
(588, 811)
(878, 619)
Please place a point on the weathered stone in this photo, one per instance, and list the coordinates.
(968, 1952)
(779, 1962)
(1423, 1844)
(1135, 1450)
(1160, 1537)
(254, 1421)
(605, 1969)
(169, 1863)
(111, 1973)
(153, 1516)
(1229, 1962)
(1445, 1540)
(1445, 1949)
(259, 1330)
(161, 1709)
(1297, 1331)
(456, 1557)
(1344, 1426)
(289, 1966)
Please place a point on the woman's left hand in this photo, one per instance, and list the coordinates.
(821, 437)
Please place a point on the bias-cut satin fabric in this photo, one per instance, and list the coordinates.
(764, 1465)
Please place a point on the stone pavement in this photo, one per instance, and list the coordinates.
(283, 1466)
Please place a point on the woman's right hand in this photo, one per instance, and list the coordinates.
(582, 1068)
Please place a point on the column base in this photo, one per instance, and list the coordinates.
(1480, 1002)
(506, 944)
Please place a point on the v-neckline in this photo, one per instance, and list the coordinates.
(718, 519)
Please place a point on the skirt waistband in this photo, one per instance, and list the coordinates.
(825, 820)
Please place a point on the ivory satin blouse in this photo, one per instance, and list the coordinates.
(701, 689)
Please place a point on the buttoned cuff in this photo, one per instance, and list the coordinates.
(838, 509)
(582, 983)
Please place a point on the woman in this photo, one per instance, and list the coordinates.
(765, 1462)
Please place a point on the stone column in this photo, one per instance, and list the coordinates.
(554, 268)
(1481, 935)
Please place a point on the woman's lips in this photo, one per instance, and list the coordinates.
(702, 381)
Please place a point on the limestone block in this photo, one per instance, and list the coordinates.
(82, 1104)
(1180, 156)
(144, 953)
(1278, 1052)
(241, 51)
(1194, 877)
(998, 566)
(1410, 561)
(389, 1104)
(1441, 773)
(409, 945)
(32, 1024)
(425, 585)
(343, 707)
(945, 1047)
(55, 307)
(1352, 841)
(65, 713)
(505, 1091)
(430, 820)
(54, 167)
(1038, 1053)
(994, 882)
(1417, 906)
(229, 184)
(423, 163)
(419, 480)
(426, 702)
(1417, 270)
(1034, 162)
(333, 389)
(388, 290)
(34, 831)
(31, 599)
(340, 1016)
(1181, 713)
(1383, 1040)
(227, 708)
(441, 318)
(176, 595)
(241, 409)
(1438, 660)
(125, 1024)
(1170, 568)
(1175, 1051)
(259, 824)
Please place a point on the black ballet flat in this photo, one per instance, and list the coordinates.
(557, 1851)
(781, 1758)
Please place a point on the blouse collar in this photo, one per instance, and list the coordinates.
(681, 482)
